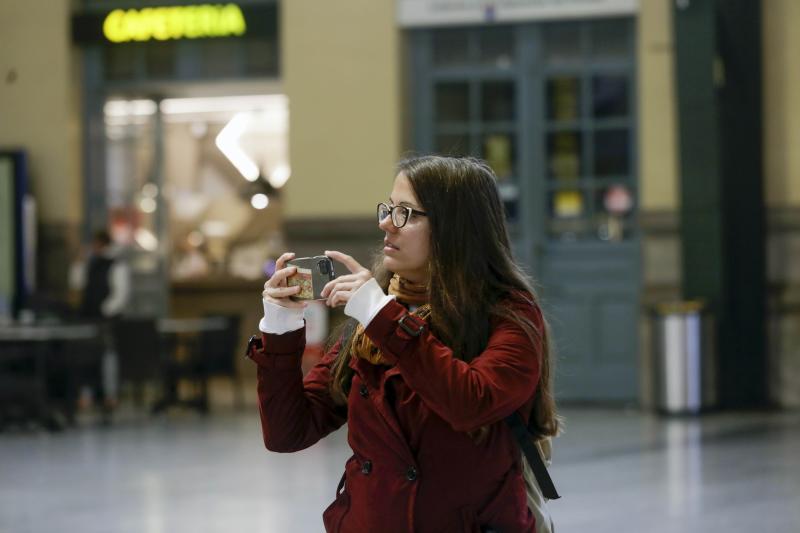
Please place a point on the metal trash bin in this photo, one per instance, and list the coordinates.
(685, 365)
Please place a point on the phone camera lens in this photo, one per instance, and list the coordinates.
(323, 267)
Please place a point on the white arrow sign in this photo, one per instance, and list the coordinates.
(228, 143)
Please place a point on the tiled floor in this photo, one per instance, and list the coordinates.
(618, 472)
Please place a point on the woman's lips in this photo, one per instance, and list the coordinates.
(389, 247)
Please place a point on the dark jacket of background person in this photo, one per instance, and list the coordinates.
(104, 279)
(97, 287)
(411, 426)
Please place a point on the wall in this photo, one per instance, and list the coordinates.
(658, 170)
(341, 69)
(781, 102)
(39, 112)
(659, 194)
(781, 47)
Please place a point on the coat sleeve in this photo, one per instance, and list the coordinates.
(295, 412)
(470, 395)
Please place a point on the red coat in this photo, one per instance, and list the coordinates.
(414, 467)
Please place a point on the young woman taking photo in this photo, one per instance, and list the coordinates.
(445, 340)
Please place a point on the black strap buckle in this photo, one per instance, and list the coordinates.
(255, 340)
(409, 329)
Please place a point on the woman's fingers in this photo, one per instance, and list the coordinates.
(280, 296)
(351, 264)
(333, 283)
(338, 298)
(341, 290)
(281, 292)
(275, 288)
(279, 277)
(282, 260)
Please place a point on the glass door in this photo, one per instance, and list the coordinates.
(190, 188)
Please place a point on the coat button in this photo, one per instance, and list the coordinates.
(366, 467)
(363, 391)
(411, 473)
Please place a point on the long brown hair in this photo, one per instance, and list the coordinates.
(472, 272)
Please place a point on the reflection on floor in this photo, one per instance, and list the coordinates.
(617, 471)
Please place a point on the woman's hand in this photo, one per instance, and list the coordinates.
(275, 289)
(339, 291)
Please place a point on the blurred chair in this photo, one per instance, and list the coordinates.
(139, 350)
(216, 353)
(21, 389)
(49, 308)
(209, 353)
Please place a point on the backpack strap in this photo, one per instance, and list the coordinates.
(526, 444)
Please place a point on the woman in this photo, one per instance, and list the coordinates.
(444, 342)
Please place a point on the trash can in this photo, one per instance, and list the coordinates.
(685, 365)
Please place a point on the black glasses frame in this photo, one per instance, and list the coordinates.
(394, 211)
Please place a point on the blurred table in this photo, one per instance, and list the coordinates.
(178, 326)
(48, 332)
(39, 344)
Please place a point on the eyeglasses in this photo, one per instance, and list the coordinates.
(400, 213)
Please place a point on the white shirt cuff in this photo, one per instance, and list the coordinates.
(367, 302)
(279, 320)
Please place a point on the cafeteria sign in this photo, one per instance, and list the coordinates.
(177, 22)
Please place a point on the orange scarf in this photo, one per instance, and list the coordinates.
(408, 293)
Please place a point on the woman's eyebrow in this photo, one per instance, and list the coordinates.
(409, 204)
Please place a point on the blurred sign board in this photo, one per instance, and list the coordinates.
(177, 22)
(416, 13)
(163, 23)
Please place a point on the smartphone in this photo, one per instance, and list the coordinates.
(313, 273)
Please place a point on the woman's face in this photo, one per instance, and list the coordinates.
(406, 249)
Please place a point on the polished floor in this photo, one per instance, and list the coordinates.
(618, 471)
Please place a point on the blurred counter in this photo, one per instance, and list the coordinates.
(221, 295)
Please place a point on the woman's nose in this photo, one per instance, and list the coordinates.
(386, 225)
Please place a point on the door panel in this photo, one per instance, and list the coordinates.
(590, 297)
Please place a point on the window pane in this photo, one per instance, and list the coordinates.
(611, 152)
(567, 210)
(450, 47)
(567, 204)
(160, 59)
(119, 61)
(512, 210)
(499, 150)
(616, 200)
(497, 100)
(563, 98)
(496, 47)
(452, 102)
(612, 229)
(261, 57)
(220, 58)
(610, 96)
(613, 204)
(610, 40)
(452, 144)
(562, 43)
(564, 155)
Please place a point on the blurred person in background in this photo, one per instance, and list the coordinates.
(445, 340)
(104, 281)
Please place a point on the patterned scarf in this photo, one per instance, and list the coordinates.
(409, 294)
